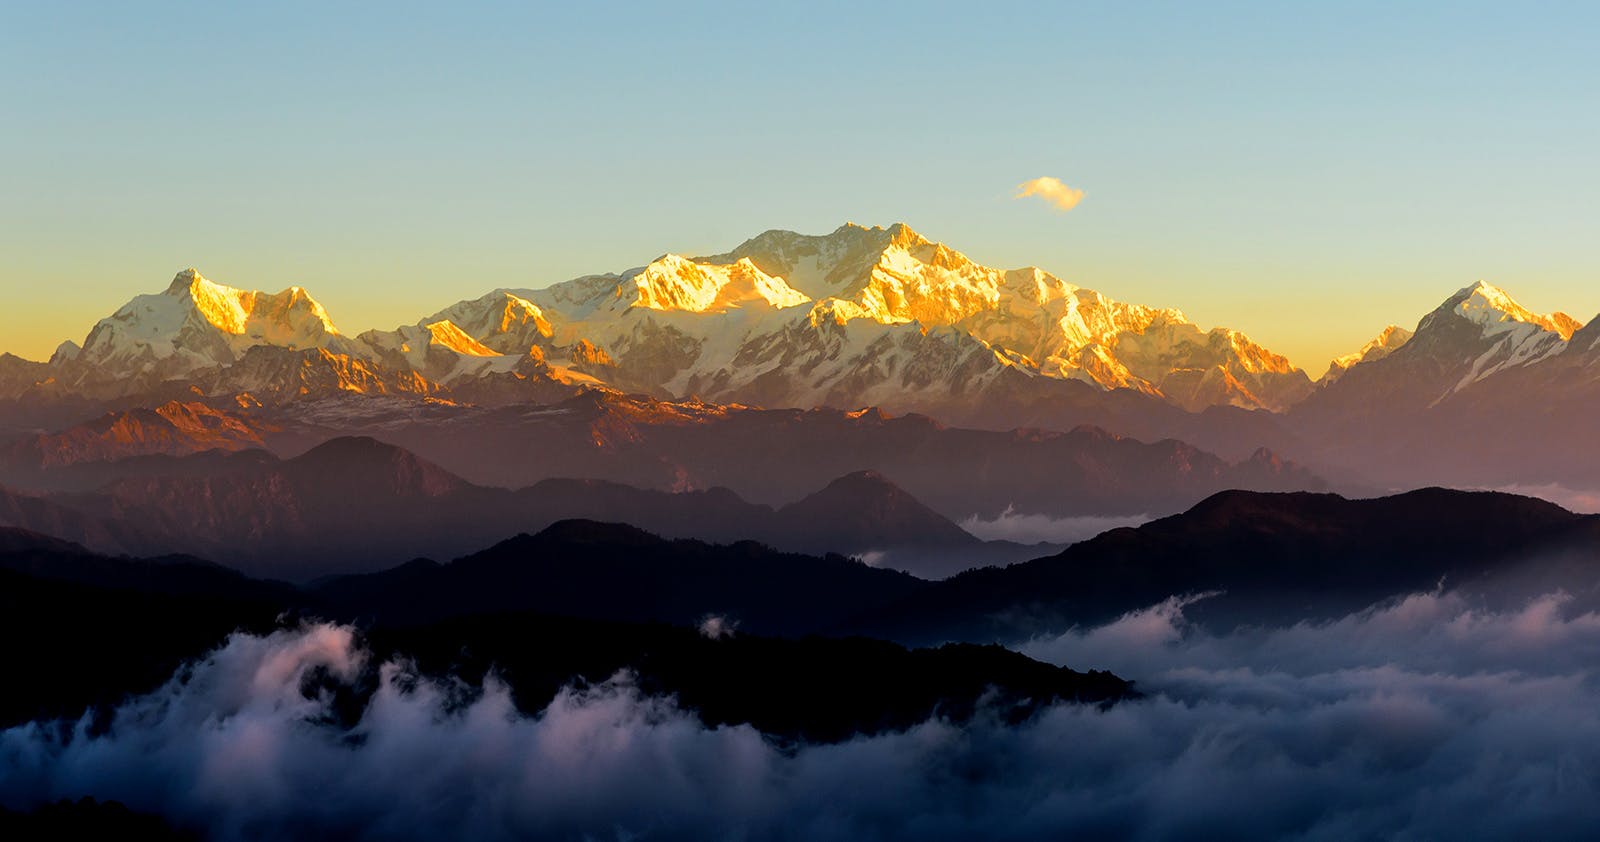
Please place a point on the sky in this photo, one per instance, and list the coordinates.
(1306, 173)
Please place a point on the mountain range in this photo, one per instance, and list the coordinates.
(624, 376)
(862, 316)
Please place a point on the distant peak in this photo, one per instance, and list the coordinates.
(65, 352)
(864, 477)
(346, 451)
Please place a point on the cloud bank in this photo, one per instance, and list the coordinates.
(1428, 718)
(1051, 190)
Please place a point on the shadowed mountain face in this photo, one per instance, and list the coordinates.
(777, 456)
(356, 503)
(369, 505)
(770, 456)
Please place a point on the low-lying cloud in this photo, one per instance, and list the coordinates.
(1428, 717)
(1052, 190)
(1010, 525)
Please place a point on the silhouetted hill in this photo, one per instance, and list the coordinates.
(813, 688)
(82, 631)
(615, 572)
(863, 510)
(1282, 557)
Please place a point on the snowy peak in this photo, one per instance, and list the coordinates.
(197, 324)
(673, 282)
(504, 321)
(1385, 343)
(1490, 307)
(291, 318)
(1474, 334)
(826, 265)
(889, 275)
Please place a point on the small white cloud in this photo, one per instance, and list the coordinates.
(1051, 190)
(717, 627)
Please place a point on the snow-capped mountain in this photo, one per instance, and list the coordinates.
(193, 326)
(874, 316)
(1485, 392)
(1476, 333)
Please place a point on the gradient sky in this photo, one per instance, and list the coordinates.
(1304, 173)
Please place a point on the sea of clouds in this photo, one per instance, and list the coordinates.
(1429, 717)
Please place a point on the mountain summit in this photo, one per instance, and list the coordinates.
(198, 324)
(1489, 306)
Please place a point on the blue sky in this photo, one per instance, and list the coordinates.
(1304, 173)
